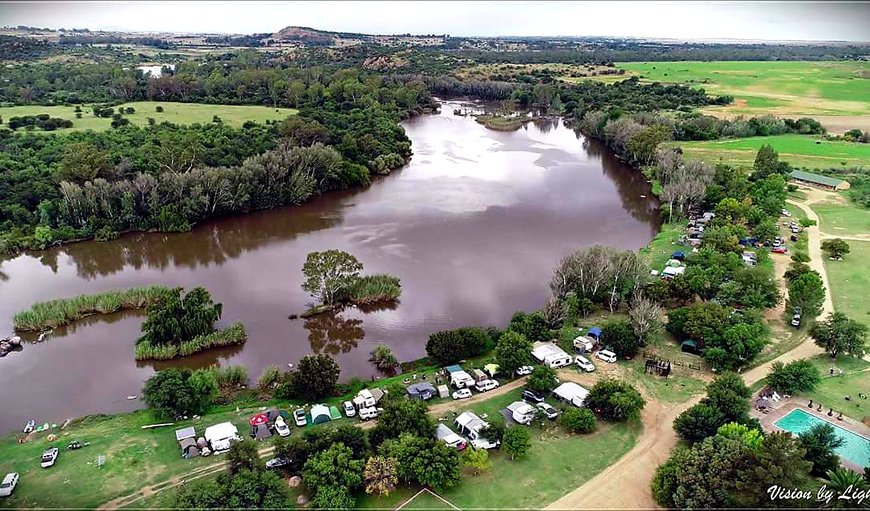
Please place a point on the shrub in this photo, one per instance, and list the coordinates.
(578, 420)
(796, 376)
(614, 400)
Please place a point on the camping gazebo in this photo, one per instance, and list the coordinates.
(594, 332)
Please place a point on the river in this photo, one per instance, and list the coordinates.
(473, 227)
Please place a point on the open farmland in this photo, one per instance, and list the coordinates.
(798, 150)
(835, 93)
(177, 113)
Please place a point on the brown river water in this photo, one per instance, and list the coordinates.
(473, 227)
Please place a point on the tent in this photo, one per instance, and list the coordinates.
(422, 390)
(181, 434)
(260, 432)
(272, 414)
(334, 414)
(320, 414)
(453, 368)
(594, 332)
(491, 369)
(689, 346)
(258, 419)
(189, 449)
(220, 435)
(679, 255)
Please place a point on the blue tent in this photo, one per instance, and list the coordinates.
(595, 332)
(678, 255)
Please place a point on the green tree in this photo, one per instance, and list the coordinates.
(615, 400)
(244, 456)
(698, 422)
(820, 442)
(315, 377)
(750, 437)
(329, 273)
(424, 461)
(778, 461)
(516, 442)
(836, 248)
(82, 161)
(766, 229)
(542, 379)
(767, 163)
(173, 319)
(619, 335)
(383, 357)
(333, 497)
(533, 326)
(203, 387)
(706, 474)
(578, 420)
(794, 377)
(840, 335)
(512, 351)
(476, 460)
(665, 480)
(258, 489)
(449, 346)
(335, 466)
(379, 476)
(843, 481)
(642, 146)
(730, 395)
(402, 415)
(807, 292)
(168, 393)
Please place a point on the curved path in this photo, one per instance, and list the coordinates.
(626, 483)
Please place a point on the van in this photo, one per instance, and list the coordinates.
(607, 356)
(584, 364)
(368, 413)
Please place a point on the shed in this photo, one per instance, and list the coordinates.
(689, 346)
(808, 178)
(320, 414)
(594, 332)
(443, 391)
(181, 434)
(491, 370)
(422, 390)
(478, 375)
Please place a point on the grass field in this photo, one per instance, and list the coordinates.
(850, 280)
(833, 389)
(843, 219)
(798, 150)
(178, 113)
(784, 88)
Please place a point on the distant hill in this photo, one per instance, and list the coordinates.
(305, 34)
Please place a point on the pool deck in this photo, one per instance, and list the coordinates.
(784, 406)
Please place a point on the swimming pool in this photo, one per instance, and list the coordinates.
(855, 447)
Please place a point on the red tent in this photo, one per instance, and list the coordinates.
(258, 419)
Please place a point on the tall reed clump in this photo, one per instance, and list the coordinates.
(375, 288)
(55, 313)
(230, 336)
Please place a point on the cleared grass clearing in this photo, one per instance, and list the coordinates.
(785, 88)
(798, 150)
(850, 280)
(843, 219)
(177, 113)
(832, 391)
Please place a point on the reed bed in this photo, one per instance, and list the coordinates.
(375, 289)
(55, 313)
(230, 336)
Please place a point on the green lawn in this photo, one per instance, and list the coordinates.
(557, 464)
(828, 88)
(843, 219)
(833, 389)
(178, 113)
(658, 251)
(850, 281)
(798, 150)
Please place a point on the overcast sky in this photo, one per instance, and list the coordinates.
(843, 21)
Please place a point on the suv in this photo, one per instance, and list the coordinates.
(49, 457)
(299, 417)
(607, 356)
(524, 370)
(8, 485)
(349, 410)
(584, 363)
(277, 462)
(368, 413)
(548, 410)
(281, 427)
(485, 385)
(530, 395)
(462, 394)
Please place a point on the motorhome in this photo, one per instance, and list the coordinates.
(471, 426)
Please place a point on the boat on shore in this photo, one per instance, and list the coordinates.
(29, 426)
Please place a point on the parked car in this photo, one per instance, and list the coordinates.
(525, 370)
(793, 237)
(368, 413)
(278, 462)
(485, 385)
(462, 394)
(779, 250)
(446, 435)
(584, 363)
(281, 427)
(299, 417)
(607, 356)
(530, 395)
(795, 229)
(548, 410)
(49, 457)
(8, 485)
(785, 212)
(795, 321)
(349, 410)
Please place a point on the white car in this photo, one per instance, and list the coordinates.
(8, 485)
(299, 417)
(462, 394)
(525, 370)
(368, 413)
(584, 363)
(281, 427)
(607, 356)
(785, 212)
(349, 410)
(485, 385)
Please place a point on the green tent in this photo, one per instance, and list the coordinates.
(320, 414)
